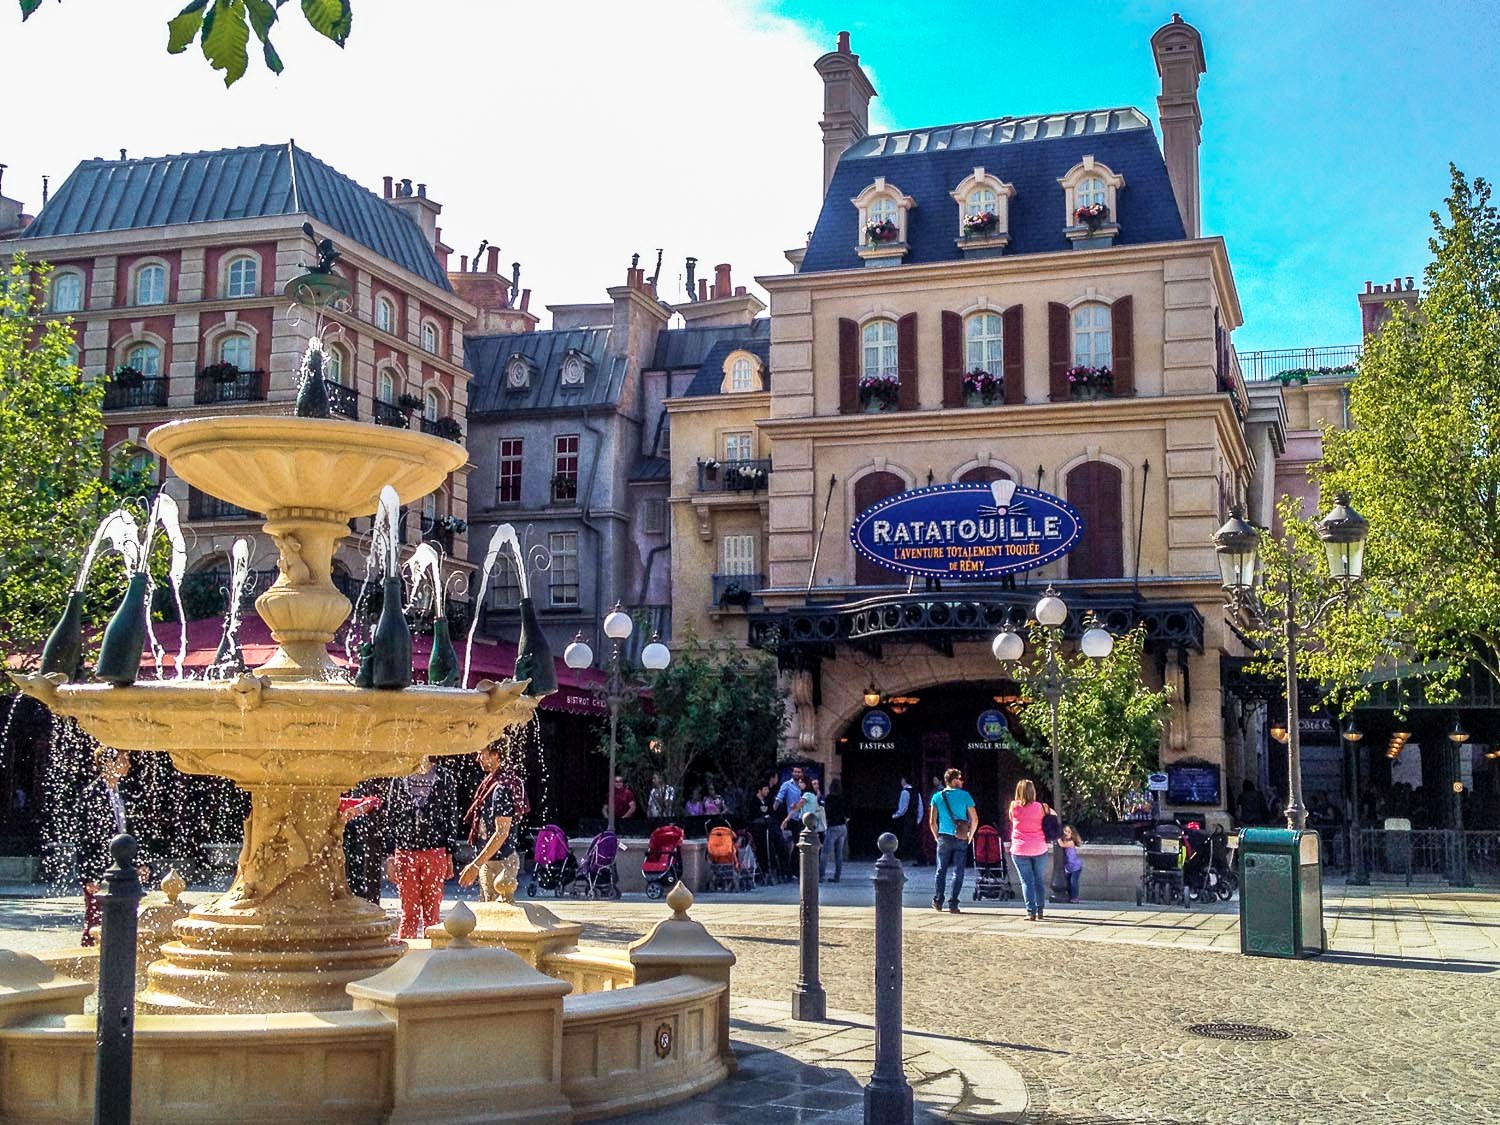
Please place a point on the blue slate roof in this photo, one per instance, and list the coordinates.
(680, 348)
(487, 357)
(709, 379)
(1032, 153)
(234, 183)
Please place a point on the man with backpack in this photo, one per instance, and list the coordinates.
(952, 819)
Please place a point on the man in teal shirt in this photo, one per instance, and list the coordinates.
(952, 818)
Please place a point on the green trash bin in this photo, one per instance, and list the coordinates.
(1281, 893)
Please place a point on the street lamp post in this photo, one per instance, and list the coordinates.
(1051, 613)
(617, 686)
(1343, 532)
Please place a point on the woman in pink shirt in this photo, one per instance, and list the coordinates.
(1028, 847)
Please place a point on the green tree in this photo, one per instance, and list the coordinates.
(52, 492)
(1421, 462)
(1109, 724)
(714, 709)
(223, 29)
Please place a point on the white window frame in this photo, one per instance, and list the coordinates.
(505, 593)
(1086, 170)
(235, 339)
(385, 386)
(739, 553)
(876, 341)
(984, 342)
(981, 191)
(73, 277)
(137, 282)
(882, 200)
(1092, 322)
(514, 458)
(742, 376)
(432, 404)
(238, 287)
(386, 316)
(431, 339)
(563, 573)
(739, 446)
(333, 364)
(138, 348)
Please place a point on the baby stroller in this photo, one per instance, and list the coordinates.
(749, 865)
(596, 876)
(552, 864)
(662, 867)
(1206, 866)
(1161, 865)
(723, 859)
(992, 881)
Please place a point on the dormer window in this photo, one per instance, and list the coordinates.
(1090, 204)
(575, 369)
(518, 373)
(983, 212)
(742, 373)
(884, 211)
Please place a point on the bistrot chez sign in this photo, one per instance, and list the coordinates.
(973, 531)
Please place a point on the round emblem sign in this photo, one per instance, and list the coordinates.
(876, 726)
(991, 725)
(974, 531)
(663, 1040)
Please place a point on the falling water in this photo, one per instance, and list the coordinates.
(239, 579)
(123, 534)
(425, 567)
(505, 536)
(385, 535)
(164, 511)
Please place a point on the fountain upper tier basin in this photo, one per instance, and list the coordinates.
(270, 464)
(257, 731)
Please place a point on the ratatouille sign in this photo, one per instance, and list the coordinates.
(973, 531)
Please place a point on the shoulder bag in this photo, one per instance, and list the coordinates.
(960, 830)
(1051, 827)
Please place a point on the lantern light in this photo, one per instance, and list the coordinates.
(578, 655)
(618, 626)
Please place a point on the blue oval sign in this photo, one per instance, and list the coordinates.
(876, 725)
(974, 531)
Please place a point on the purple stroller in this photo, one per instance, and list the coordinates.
(553, 865)
(596, 875)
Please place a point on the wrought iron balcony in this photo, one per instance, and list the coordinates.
(736, 590)
(445, 427)
(202, 506)
(734, 476)
(389, 414)
(342, 400)
(1297, 365)
(241, 386)
(140, 393)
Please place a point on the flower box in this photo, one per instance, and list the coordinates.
(221, 372)
(981, 225)
(129, 377)
(409, 402)
(886, 231)
(878, 394)
(1092, 215)
(983, 389)
(447, 428)
(1091, 382)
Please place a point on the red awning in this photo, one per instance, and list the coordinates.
(492, 660)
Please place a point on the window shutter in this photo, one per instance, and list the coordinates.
(1122, 344)
(871, 489)
(1014, 364)
(1094, 488)
(1059, 351)
(906, 361)
(848, 366)
(953, 359)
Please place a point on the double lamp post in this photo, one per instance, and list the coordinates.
(1343, 532)
(619, 685)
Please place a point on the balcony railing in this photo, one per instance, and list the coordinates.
(202, 506)
(388, 414)
(245, 386)
(443, 427)
(149, 391)
(736, 591)
(439, 530)
(733, 476)
(1298, 364)
(564, 489)
(342, 400)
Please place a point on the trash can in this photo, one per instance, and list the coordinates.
(1281, 893)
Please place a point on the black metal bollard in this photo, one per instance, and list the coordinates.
(888, 1096)
(116, 1019)
(809, 1002)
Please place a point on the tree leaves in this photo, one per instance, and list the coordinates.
(223, 29)
(329, 17)
(226, 38)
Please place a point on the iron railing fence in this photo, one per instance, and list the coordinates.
(1289, 363)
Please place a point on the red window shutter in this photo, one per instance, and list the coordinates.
(1059, 351)
(1122, 344)
(870, 489)
(1014, 364)
(953, 359)
(848, 366)
(1095, 489)
(906, 361)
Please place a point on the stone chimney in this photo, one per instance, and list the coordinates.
(488, 290)
(1179, 61)
(846, 104)
(1378, 303)
(419, 207)
(724, 305)
(637, 316)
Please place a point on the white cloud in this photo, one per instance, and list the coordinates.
(569, 134)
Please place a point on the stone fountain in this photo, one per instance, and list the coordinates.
(289, 935)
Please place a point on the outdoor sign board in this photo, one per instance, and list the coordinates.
(1193, 785)
(1156, 782)
(971, 531)
(876, 728)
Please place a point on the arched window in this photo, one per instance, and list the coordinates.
(387, 390)
(145, 358)
(151, 285)
(983, 349)
(983, 474)
(980, 200)
(132, 465)
(879, 351)
(67, 292)
(432, 405)
(742, 376)
(870, 489)
(333, 365)
(237, 349)
(1092, 345)
(1090, 190)
(385, 314)
(430, 510)
(242, 278)
(1095, 489)
(882, 210)
(429, 338)
(74, 354)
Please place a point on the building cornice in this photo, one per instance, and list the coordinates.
(735, 400)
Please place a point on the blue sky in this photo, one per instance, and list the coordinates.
(1327, 127)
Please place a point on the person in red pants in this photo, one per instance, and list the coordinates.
(419, 821)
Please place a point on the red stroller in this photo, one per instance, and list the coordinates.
(992, 880)
(662, 867)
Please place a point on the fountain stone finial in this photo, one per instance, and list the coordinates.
(679, 898)
(459, 923)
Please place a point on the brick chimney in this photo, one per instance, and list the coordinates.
(488, 290)
(1178, 49)
(1377, 304)
(846, 104)
(416, 204)
(724, 305)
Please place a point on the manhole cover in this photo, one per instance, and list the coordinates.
(1241, 1032)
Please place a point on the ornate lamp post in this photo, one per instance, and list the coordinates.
(1051, 613)
(654, 657)
(1343, 532)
